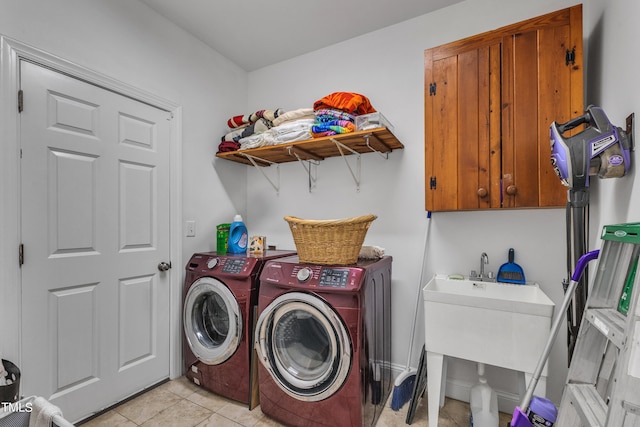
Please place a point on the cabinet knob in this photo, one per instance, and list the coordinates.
(512, 190)
(482, 192)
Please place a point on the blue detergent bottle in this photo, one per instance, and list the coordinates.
(238, 237)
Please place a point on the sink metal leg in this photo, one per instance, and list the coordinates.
(436, 381)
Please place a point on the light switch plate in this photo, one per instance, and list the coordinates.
(190, 228)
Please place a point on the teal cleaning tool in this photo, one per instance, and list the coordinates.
(404, 384)
(510, 272)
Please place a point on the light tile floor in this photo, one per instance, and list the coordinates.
(181, 403)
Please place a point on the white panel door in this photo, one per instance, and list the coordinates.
(95, 226)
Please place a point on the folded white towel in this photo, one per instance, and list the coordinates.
(42, 412)
(371, 252)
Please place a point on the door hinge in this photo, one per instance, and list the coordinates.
(20, 101)
(570, 56)
(432, 89)
(21, 254)
(432, 183)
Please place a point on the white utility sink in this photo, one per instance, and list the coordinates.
(524, 299)
(498, 324)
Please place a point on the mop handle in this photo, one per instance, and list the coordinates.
(418, 299)
(575, 278)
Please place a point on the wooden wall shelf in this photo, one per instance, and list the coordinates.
(379, 140)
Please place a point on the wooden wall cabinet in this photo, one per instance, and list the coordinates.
(489, 102)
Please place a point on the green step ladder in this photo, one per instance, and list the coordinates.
(603, 382)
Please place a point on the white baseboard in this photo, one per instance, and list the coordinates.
(461, 390)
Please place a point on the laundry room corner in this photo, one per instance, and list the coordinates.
(152, 256)
(393, 187)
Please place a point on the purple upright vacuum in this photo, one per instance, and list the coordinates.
(520, 413)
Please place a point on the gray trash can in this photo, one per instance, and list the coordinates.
(10, 393)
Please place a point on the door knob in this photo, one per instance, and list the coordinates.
(164, 266)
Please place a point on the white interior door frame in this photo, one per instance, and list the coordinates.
(11, 53)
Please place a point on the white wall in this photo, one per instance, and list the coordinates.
(127, 41)
(387, 67)
(613, 84)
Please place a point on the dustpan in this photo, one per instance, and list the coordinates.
(510, 272)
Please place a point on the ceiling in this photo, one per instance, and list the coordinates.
(254, 34)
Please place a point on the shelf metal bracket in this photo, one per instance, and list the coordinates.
(254, 161)
(356, 176)
(311, 167)
(375, 150)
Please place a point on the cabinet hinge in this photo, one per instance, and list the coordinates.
(20, 101)
(432, 89)
(570, 56)
(432, 183)
(21, 254)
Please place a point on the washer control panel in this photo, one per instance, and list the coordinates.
(233, 265)
(206, 263)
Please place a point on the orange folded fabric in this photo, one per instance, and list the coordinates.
(352, 103)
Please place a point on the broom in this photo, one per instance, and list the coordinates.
(403, 386)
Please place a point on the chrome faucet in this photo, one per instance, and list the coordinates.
(484, 259)
(488, 277)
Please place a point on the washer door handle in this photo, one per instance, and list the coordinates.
(164, 266)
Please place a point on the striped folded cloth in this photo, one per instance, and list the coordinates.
(332, 128)
(329, 114)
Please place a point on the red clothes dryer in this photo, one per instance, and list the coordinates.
(323, 338)
(220, 295)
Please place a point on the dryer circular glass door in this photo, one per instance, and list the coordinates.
(304, 345)
(212, 321)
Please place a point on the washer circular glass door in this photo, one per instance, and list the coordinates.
(304, 345)
(212, 321)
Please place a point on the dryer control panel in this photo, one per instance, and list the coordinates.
(310, 276)
(334, 277)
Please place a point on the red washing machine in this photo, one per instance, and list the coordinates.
(323, 338)
(220, 296)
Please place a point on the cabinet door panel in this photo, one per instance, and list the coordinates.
(555, 84)
(520, 156)
(463, 130)
(495, 122)
(442, 165)
(470, 131)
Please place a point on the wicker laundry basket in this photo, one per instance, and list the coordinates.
(332, 241)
